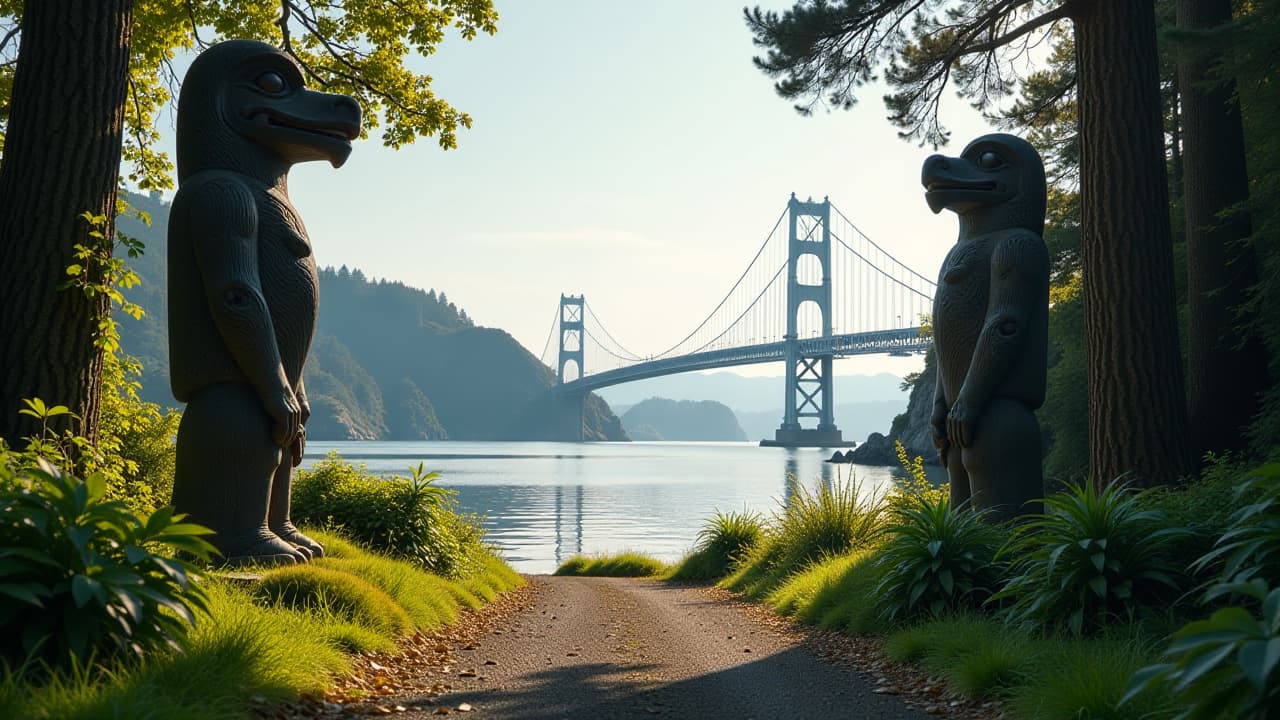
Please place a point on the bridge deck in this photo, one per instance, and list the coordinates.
(904, 341)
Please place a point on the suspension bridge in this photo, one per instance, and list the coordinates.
(817, 289)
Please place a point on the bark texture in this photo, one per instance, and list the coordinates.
(61, 158)
(1226, 360)
(1137, 414)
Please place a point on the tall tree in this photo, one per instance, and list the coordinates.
(82, 90)
(823, 51)
(1226, 360)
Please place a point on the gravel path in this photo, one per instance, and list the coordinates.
(621, 648)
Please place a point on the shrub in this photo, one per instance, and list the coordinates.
(831, 519)
(135, 448)
(81, 575)
(1251, 546)
(721, 542)
(1092, 556)
(937, 559)
(1225, 666)
(403, 517)
(1205, 506)
(916, 485)
(1086, 679)
(627, 564)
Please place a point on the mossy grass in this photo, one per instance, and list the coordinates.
(253, 648)
(625, 564)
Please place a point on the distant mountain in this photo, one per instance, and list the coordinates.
(750, 394)
(663, 419)
(389, 361)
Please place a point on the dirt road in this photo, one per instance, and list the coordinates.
(619, 648)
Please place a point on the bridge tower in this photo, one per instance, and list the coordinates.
(569, 409)
(808, 390)
(571, 334)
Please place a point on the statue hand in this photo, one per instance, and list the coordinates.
(961, 423)
(299, 445)
(304, 406)
(287, 416)
(938, 423)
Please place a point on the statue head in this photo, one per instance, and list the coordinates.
(996, 183)
(244, 107)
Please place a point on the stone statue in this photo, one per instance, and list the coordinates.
(242, 292)
(990, 323)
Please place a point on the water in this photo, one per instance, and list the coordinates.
(543, 502)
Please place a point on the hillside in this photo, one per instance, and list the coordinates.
(663, 419)
(389, 361)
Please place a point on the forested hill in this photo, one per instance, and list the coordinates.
(389, 361)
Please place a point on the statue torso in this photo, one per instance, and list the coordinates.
(287, 279)
(960, 309)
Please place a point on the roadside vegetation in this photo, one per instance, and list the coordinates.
(1114, 603)
(112, 606)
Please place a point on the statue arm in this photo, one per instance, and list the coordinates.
(1019, 282)
(938, 421)
(222, 224)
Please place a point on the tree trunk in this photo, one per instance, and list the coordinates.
(1137, 413)
(61, 158)
(1226, 361)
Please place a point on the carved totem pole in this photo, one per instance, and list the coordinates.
(242, 292)
(991, 323)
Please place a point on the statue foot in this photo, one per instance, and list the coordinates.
(266, 551)
(292, 535)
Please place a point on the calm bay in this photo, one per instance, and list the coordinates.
(543, 502)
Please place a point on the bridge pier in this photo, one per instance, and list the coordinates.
(809, 390)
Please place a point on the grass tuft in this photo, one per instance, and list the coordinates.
(721, 543)
(323, 589)
(626, 564)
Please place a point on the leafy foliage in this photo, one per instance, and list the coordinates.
(1094, 555)
(937, 559)
(1251, 546)
(916, 486)
(82, 575)
(1225, 666)
(403, 517)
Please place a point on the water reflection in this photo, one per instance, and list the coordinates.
(543, 502)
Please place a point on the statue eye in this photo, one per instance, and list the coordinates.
(271, 81)
(989, 160)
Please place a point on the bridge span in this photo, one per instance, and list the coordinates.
(817, 289)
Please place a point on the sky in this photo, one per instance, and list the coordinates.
(630, 152)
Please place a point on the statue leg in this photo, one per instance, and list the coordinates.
(278, 515)
(1005, 463)
(222, 479)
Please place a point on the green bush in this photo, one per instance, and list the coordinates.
(1205, 506)
(81, 575)
(721, 543)
(1225, 666)
(937, 559)
(1251, 546)
(1086, 679)
(135, 448)
(1093, 556)
(403, 517)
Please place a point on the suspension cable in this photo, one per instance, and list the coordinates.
(744, 312)
(729, 294)
(876, 246)
(620, 346)
(555, 320)
(882, 272)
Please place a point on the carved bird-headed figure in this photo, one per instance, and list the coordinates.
(243, 291)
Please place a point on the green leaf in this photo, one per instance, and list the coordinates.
(1098, 583)
(1201, 665)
